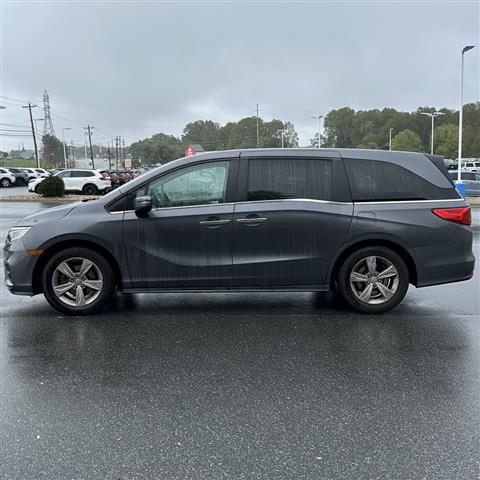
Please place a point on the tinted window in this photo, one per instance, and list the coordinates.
(81, 174)
(65, 174)
(282, 178)
(14, 170)
(376, 181)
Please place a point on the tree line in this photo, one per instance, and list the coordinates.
(161, 148)
(343, 128)
(347, 128)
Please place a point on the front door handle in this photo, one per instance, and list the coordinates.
(252, 220)
(213, 222)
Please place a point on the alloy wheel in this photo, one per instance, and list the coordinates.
(374, 280)
(77, 282)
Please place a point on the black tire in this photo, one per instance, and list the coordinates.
(89, 189)
(350, 293)
(97, 300)
(36, 189)
(5, 182)
(20, 182)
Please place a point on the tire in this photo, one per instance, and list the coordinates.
(5, 182)
(20, 182)
(89, 293)
(36, 189)
(89, 189)
(381, 293)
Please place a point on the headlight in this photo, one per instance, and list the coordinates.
(17, 232)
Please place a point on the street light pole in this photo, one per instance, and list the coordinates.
(390, 139)
(64, 147)
(460, 117)
(432, 116)
(319, 117)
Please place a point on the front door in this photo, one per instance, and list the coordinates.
(289, 228)
(186, 241)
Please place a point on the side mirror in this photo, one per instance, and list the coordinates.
(143, 205)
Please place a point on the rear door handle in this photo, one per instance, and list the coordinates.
(214, 222)
(252, 220)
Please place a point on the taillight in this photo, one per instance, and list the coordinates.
(455, 214)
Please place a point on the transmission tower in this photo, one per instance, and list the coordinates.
(47, 124)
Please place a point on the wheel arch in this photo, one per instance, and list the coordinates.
(69, 243)
(89, 185)
(403, 252)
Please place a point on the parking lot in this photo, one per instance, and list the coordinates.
(253, 386)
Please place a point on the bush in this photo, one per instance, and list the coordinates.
(51, 187)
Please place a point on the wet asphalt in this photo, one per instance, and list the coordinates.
(241, 386)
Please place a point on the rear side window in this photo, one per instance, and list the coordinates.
(373, 180)
(284, 178)
(81, 174)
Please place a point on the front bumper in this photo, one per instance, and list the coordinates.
(18, 268)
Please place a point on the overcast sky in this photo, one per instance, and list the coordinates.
(137, 68)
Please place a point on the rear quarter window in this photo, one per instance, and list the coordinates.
(374, 180)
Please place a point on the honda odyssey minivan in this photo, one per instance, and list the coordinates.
(363, 223)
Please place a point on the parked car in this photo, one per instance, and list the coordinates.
(88, 182)
(471, 166)
(21, 177)
(7, 179)
(365, 223)
(471, 181)
(42, 172)
(32, 173)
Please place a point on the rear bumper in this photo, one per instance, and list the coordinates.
(446, 262)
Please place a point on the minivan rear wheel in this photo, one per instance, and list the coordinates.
(78, 281)
(373, 279)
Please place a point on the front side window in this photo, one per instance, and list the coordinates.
(203, 184)
(288, 178)
(65, 174)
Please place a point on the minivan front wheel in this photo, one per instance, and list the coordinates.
(373, 280)
(78, 281)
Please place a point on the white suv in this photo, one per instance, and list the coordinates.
(89, 182)
(32, 173)
(471, 166)
(7, 179)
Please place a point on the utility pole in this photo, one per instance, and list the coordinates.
(30, 106)
(73, 153)
(258, 130)
(89, 129)
(109, 158)
(390, 139)
(116, 153)
(319, 117)
(123, 151)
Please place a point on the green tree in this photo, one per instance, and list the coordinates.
(160, 148)
(52, 151)
(338, 126)
(407, 141)
(445, 140)
(204, 132)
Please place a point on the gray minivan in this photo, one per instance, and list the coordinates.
(364, 223)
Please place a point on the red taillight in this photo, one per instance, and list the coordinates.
(458, 215)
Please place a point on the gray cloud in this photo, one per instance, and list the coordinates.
(137, 68)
